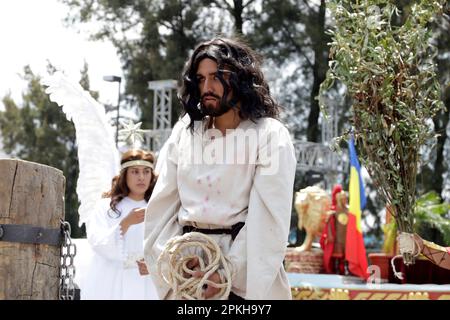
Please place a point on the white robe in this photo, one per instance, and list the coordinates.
(222, 192)
(112, 273)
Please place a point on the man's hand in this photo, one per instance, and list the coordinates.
(193, 265)
(209, 291)
(143, 271)
(135, 216)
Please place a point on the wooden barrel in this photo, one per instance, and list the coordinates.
(31, 195)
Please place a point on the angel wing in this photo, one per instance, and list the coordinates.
(98, 156)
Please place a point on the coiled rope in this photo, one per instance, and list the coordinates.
(172, 266)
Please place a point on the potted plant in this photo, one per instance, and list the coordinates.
(389, 74)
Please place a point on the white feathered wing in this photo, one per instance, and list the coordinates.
(98, 156)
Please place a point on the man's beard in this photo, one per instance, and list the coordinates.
(214, 110)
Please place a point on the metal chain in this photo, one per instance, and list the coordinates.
(68, 252)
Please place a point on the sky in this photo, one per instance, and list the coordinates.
(32, 32)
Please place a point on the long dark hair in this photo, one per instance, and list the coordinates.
(119, 189)
(246, 80)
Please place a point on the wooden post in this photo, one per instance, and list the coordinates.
(30, 194)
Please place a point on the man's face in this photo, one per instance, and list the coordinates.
(211, 89)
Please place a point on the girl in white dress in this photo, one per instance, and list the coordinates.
(116, 234)
(114, 221)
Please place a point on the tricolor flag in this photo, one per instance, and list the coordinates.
(355, 251)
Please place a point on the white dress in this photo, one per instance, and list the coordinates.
(112, 273)
(216, 192)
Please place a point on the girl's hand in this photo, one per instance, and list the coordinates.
(135, 216)
(143, 271)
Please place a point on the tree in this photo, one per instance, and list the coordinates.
(240, 11)
(292, 33)
(37, 130)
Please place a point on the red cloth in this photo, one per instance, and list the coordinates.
(329, 234)
(355, 251)
(327, 244)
